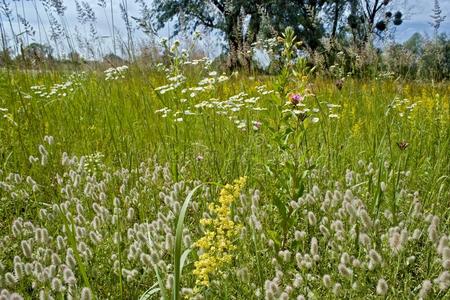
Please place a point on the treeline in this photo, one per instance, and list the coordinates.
(339, 37)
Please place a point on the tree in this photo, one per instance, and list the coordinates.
(74, 57)
(302, 16)
(335, 11)
(37, 52)
(5, 58)
(113, 59)
(415, 43)
(238, 20)
(435, 59)
(368, 17)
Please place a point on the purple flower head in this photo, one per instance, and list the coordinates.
(296, 98)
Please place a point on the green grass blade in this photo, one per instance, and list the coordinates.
(183, 259)
(152, 290)
(178, 244)
(161, 284)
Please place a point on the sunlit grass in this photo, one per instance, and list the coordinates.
(379, 155)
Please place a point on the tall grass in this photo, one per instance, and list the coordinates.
(391, 153)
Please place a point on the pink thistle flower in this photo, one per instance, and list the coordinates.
(296, 98)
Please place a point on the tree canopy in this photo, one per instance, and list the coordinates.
(242, 21)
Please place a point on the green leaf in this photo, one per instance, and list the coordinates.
(161, 284)
(151, 291)
(280, 205)
(183, 259)
(178, 243)
(274, 236)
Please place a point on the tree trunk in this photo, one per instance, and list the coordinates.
(231, 18)
(335, 19)
(239, 42)
(250, 38)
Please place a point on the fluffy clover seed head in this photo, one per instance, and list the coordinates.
(382, 287)
(425, 289)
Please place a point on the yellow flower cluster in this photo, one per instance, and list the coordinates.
(356, 128)
(217, 242)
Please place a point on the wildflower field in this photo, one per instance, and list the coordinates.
(183, 182)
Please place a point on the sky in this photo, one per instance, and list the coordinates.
(416, 19)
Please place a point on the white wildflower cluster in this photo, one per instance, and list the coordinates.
(177, 116)
(163, 111)
(262, 89)
(232, 105)
(8, 116)
(194, 91)
(207, 83)
(60, 90)
(230, 108)
(116, 73)
(213, 79)
(332, 114)
(302, 111)
(268, 45)
(385, 75)
(202, 61)
(174, 83)
(161, 68)
(243, 125)
(403, 107)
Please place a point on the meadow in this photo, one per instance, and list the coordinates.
(178, 181)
